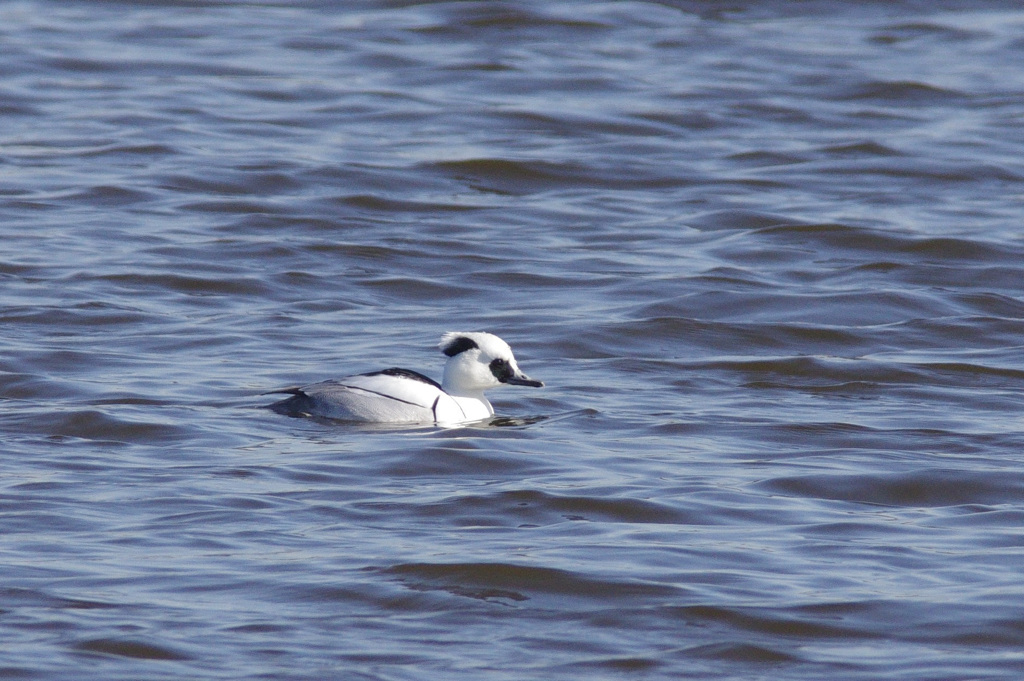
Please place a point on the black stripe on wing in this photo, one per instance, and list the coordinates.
(406, 373)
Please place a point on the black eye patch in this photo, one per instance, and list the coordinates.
(460, 344)
(501, 369)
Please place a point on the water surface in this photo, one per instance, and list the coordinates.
(767, 258)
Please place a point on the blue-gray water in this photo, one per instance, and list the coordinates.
(767, 257)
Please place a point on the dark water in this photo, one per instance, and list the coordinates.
(768, 258)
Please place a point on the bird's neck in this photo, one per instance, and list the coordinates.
(456, 389)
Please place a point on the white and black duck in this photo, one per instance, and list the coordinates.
(477, 361)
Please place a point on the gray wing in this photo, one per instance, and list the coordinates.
(357, 399)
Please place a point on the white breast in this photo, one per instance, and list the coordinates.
(452, 409)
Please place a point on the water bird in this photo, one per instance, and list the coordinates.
(477, 361)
